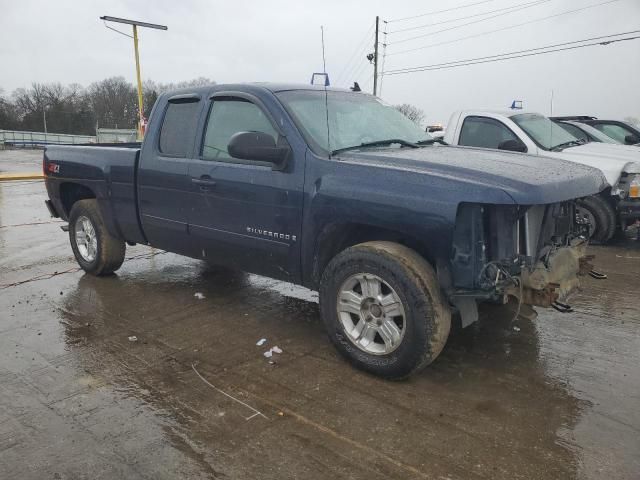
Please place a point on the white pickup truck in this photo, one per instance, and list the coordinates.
(533, 133)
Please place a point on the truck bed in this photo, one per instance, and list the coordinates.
(109, 170)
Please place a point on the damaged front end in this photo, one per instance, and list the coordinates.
(534, 253)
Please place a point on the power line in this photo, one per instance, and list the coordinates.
(447, 42)
(455, 27)
(409, 69)
(511, 55)
(457, 19)
(358, 51)
(437, 12)
(356, 73)
(384, 57)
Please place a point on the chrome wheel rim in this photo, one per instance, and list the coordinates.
(584, 216)
(86, 240)
(371, 314)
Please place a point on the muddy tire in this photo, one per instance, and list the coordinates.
(603, 215)
(383, 309)
(96, 251)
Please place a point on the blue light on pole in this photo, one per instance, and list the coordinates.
(321, 79)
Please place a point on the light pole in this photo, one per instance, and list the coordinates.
(135, 25)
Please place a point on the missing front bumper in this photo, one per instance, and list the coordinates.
(555, 279)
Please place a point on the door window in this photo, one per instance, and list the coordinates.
(228, 117)
(484, 132)
(614, 131)
(178, 128)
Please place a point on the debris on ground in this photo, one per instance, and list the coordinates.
(516, 328)
(199, 296)
(269, 353)
(261, 342)
(133, 338)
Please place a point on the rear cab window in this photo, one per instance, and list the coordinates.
(179, 126)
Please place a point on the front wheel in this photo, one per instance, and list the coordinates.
(600, 215)
(383, 309)
(96, 251)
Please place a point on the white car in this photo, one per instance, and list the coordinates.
(535, 134)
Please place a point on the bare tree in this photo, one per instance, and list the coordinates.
(114, 103)
(8, 116)
(412, 112)
(110, 103)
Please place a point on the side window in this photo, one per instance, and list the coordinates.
(575, 131)
(178, 128)
(228, 117)
(614, 131)
(484, 132)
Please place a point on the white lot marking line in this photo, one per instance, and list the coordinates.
(255, 412)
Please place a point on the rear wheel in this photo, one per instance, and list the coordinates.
(96, 251)
(383, 309)
(600, 214)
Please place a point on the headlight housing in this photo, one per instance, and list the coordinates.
(628, 186)
(634, 187)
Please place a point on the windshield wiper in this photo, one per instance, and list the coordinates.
(431, 141)
(572, 143)
(377, 143)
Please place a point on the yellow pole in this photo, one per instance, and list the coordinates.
(140, 105)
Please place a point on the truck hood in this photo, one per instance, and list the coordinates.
(527, 179)
(612, 160)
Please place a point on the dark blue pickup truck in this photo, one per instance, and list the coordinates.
(336, 191)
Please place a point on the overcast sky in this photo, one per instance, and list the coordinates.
(279, 40)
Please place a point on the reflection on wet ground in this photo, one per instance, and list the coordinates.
(551, 397)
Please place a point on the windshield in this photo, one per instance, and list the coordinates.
(353, 119)
(545, 133)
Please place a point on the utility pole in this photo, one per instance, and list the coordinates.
(135, 25)
(139, 80)
(375, 58)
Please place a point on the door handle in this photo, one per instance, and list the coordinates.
(204, 182)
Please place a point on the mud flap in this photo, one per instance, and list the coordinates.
(468, 308)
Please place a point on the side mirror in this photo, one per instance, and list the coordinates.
(259, 147)
(512, 146)
(631, 140)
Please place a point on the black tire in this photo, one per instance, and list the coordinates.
(110, 251)
(427, 316)
(604, 216)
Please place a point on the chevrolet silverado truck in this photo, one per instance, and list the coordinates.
(618, 206)
(336, 191)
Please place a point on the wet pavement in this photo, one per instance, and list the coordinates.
(553, 397)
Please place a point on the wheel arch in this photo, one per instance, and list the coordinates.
(71, 192)
(336, 237)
